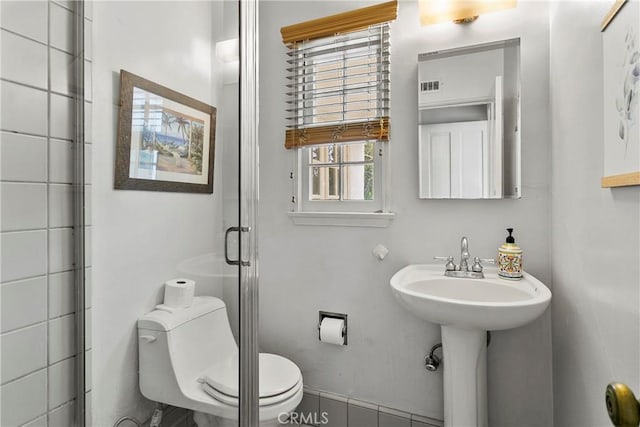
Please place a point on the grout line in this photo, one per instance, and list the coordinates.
(47, 90)
(9, 282)
(31, 325)
(30, 230)
(24, 37)
(44, 44)
(33, 134)
(24, 376)
(68, 402)
(27, 85)
(42, 415)
(57, 362)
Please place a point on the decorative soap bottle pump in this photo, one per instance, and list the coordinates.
(510, 259)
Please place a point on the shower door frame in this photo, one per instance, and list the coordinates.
(248, 216)
(79, 200)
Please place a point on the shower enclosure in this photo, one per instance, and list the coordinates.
(89, 260)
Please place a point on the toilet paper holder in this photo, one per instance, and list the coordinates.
(323, 314)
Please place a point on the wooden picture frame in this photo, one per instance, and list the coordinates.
(166, 140)
(621, 90)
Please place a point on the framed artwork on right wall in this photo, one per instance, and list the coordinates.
(621, 90)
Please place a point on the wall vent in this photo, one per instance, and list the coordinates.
(430, 86)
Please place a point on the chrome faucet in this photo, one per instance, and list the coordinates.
(463, 269)
(464, 254)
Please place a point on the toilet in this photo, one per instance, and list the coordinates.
(189, 359)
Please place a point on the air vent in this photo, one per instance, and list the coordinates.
(430, 86)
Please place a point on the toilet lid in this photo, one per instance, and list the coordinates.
(277, 375)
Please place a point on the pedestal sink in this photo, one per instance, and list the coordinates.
(466, 309)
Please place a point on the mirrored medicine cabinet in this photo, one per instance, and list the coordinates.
(469, 122)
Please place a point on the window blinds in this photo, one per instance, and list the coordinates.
(338, 87)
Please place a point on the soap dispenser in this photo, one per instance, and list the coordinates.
(510, 259)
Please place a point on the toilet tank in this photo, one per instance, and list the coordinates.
(175, 348)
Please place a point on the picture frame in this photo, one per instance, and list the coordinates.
(621, 92)
(166, 140)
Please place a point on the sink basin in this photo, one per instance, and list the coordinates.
(466, 309)
(491, 303)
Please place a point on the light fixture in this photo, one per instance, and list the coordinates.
(228, 50)
(459, 11)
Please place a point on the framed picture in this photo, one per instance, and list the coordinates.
(621, 68)
(166, 140)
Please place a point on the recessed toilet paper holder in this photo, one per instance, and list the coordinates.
(323, 314)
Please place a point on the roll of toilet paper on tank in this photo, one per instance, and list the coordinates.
(178, 293)
(331, 331)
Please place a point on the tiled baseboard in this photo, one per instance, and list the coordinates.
(326, 410)
(330, 410)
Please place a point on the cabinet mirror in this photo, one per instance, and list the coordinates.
(469, 122)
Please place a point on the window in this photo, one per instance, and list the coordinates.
(338, 111)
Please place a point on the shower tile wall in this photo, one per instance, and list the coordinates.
(36, 171)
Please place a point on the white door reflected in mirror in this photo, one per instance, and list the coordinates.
(469, 122)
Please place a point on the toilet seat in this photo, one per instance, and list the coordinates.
(263, 401)
(279, 379)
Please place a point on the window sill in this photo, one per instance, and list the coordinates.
(343, 219)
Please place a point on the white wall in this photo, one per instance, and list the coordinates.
(595, 232)
(305, 269)
(141, 237)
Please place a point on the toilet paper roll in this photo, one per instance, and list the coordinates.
(178, 293)
(331, 331)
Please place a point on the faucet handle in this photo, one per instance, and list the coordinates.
(477, 267)
(449, 266)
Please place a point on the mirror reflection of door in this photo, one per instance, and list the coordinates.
(469, 145)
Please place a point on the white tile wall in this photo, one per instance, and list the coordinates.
(36, 238)
(88, 81)
(60, 161)
(23, 351)
(60, 205)
(88, 122)
(61, 382)
(60, 33)
(23, 206)
(61, 340)
(23, 410)
(60, 249)
(38, 422)
(23, 109)
(61, 296)
(24, 254)
(28, 18)
(23, 60)
(88, 155)
(321, 408)
(61, 113)
(62, 416)
(23, 303)
(88, 29)
(88, 362)
(88, 338)
(22, 157)
(61, 71)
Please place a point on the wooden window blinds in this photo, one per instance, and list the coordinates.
(338, 77)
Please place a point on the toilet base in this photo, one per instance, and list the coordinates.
(208, 420)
